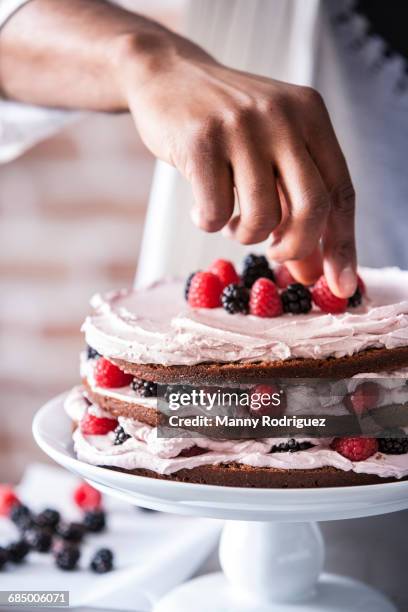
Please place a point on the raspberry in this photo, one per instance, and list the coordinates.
(326, 300)
(364, 398)
(95, 426)
(264, 300)
(355, 449)
(108, 375)
(296, 299)
(283, 277)
(255, 266)
(235, 298)
(205, 290)
(262, 402)
(225, 271)
(86, 497)
(8, 499)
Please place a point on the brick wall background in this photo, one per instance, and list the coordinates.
(72, 212)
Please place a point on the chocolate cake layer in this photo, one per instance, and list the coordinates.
(372, 360)
(238, 475)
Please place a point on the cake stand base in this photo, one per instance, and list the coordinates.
(333, 594)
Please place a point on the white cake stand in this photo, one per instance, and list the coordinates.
(271, 549)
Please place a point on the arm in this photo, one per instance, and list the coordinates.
(223, 129)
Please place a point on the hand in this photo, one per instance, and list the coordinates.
(272, 142)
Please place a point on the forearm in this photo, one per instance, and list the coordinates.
(71, 53)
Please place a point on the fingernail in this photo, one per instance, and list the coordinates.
(348, 280)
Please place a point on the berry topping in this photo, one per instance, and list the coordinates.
(256, 266)
(8, 499)
(264, 299)
(17, 551)
(102, 561)
(86, 497)
(67, 557)
(120, 436)
(145, 388)
(95, 521)
(3, 557)
(21, 516)
(225, 271)
(108, 375)
(355, 449)
(392, 445)
(96, 426)
(266, 400)
(91, 353)
(38, 539)
(47, 519)
(235, 298)
(326, 300)
(291, 446)
(296, 299)
(192, 451)
(205, 290)
(364, 398)
(283, 277)
(71, 532)
(188, 283)
(357, 297)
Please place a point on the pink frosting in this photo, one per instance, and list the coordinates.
(155, 325)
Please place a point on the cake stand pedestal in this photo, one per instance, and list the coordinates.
(271, 550)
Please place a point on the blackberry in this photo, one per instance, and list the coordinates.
(291, 446)
(91, 353)
(39, 540)
(48, 518)
(21, 517)
(3, 557)
(356, 299)
(393, 446)
(71, 532)
(17, 551)
(255, 266)
(188, 283)
(102, 561)
(235, 298)
(145, 388)
(67, 557)
(95, 521)
(296, 299)
(120, 435)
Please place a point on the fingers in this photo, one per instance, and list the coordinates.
(307, 203)
(260, 211)
(307, 270)
(339, 248)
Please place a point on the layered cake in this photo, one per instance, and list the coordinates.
(221, 328)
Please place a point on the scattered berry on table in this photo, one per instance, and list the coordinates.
(225, 271)
(283, 277)
(87, 497)
(326, 300)
(120, 436)
(67, 557)
(205, 290)
(94, 521)
(8, 499)
(188, 283)
(291, 446)
(71, 532)
(235, 298)
(393, 446)
(17, 551)
(39, 540)
(108, 375)
(145, 388)
(92, 353)
(21, 516)
(255, 266)
(102, 561)
(355, 449)
(263, 403)
(296, 299)
(363, 399)
(48, 518)
(3, 557)
(264, 299)
(92, 425)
